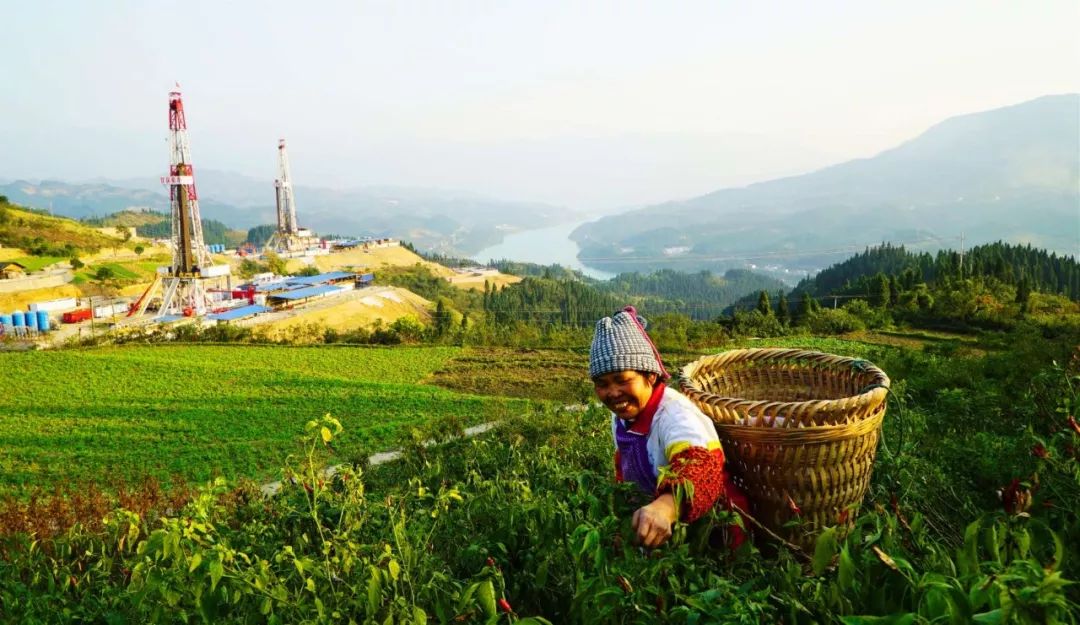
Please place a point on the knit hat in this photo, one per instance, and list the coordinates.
(620, 343)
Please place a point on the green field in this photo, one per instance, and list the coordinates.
(121, 413)
(37, 263)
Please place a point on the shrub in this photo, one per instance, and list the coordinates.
(834, 321)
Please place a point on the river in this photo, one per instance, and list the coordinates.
(544, 246)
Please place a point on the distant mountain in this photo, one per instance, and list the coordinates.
(448, 222)
(1011, 174)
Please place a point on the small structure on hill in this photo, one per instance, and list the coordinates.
(11, 270)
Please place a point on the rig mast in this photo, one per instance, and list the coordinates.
(183, 284)
(288, 237)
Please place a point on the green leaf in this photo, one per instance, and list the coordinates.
(824, 550)
(419, 616)
(395, 569)
(326, 435)
(592, 540)
(467, 596)
(373, 595)
(486, 595)
(541, 575)
(196, 560)
(217, 569)
(968, 558)
(993, 617)
(847, 569)
(266, 606)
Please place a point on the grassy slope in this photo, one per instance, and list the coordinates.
(21, 224)
(193, 411)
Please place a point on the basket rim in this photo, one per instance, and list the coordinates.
(880, 384)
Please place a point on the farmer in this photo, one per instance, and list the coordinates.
(655, 427)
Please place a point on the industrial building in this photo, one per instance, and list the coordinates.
(267, 295)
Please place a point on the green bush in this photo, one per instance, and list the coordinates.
(829, 321)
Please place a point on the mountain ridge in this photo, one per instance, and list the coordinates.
(974, 174)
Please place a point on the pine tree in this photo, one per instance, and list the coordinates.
(879, 291)
(806, 306)
(1023, 294)
(894, 291)
(763, 305)
(783, 313)
(442, 318)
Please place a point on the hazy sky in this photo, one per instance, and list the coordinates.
(592, 105)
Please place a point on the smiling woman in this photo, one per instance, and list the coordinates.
(662, 441)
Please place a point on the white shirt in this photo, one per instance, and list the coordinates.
(676, 426)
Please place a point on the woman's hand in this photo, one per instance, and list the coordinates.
(653, 522)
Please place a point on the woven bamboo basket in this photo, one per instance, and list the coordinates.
(799, 429)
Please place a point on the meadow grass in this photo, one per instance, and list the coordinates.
(124, 413)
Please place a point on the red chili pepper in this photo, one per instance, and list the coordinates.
(1039, 451)
(490, 561)
(1073, 424)
(308, 488)
(1008, 496)
(843, 516)
(504, 605)
(795, 509)
(1015, 498)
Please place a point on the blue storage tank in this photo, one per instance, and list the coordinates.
(5, 320)
(42, 321)
(31, 320)
(18, 319)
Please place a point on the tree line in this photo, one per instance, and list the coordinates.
(1015, 265)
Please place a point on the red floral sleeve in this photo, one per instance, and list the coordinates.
(702, 468)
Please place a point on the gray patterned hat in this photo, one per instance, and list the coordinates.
(620, 343)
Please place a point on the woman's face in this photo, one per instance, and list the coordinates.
(625, 392)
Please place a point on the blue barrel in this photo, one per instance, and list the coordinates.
(31, 320)
(18, 319)
(5, 320)
(42, 321)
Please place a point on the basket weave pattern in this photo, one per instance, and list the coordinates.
(794, 423)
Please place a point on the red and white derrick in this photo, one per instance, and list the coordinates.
(183, 283)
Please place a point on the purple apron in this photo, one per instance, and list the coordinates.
(634, 457)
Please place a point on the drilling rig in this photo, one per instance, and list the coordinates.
(289, 237)
(183, 283)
